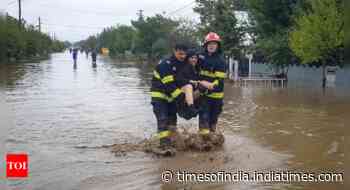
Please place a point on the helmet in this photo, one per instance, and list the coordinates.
(212, 37)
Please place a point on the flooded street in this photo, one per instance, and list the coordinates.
(66, 117)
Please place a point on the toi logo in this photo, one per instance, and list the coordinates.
(16, 165)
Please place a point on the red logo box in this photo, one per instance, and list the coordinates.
(17, 165)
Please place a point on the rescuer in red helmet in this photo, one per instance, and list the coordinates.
(211, 74)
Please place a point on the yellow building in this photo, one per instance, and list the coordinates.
(105, 51)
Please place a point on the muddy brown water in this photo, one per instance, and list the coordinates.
(66, 119)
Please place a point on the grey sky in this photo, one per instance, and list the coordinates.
(75, 20)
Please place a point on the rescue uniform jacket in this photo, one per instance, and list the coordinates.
(164, 87)
(212, 69)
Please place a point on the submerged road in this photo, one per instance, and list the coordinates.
(63, 116)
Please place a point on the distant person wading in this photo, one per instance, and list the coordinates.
(94, 57)
(75, 55)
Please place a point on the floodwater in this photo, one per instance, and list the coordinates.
(65, 118)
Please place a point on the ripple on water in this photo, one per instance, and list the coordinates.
(63, 116)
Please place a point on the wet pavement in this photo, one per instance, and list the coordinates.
(66, 118)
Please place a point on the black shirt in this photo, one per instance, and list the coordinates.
(186, 73)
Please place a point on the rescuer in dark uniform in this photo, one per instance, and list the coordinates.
(211, 74)
(166, 94)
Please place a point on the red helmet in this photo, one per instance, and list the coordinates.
(212, 37)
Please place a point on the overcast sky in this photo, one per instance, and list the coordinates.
(75, 20)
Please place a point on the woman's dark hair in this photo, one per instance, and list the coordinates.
(191, 53)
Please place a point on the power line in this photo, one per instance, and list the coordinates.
(9, 4)
(78, 11)
(171, 3)
(186, 12)
(68, 30)
(181, 8)
(81, 11)
(12, 2)
(76, 26)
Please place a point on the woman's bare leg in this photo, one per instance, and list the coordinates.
(188, 90)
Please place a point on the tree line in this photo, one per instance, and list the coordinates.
(146, 38)
(23, 41)
(279, 32)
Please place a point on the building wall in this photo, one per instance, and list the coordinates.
(299, 76)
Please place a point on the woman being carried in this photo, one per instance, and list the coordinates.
(187, 79)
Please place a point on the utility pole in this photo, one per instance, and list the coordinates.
(39, 24)
(19, 14)
(140, 15)
(7, 16)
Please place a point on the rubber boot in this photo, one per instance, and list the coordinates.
(204, 128)
(173, 136)
(173, 128)
(165, 143)
(213, 128)
(216, 139)
(204, 131)
(166, 148)
(164, 134)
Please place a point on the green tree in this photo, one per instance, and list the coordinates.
(23, 43)
(160, 48)
(118, 40)
(149, 37)
(149, 30)
(269, 17)
(318, 32)
(270, 21)
(219, 16)
(187, 33)
(124, 36)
